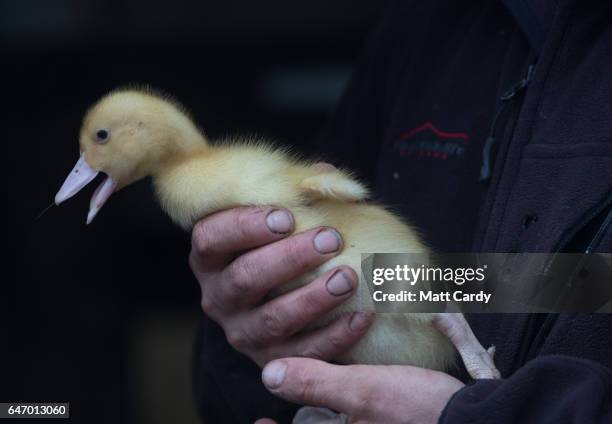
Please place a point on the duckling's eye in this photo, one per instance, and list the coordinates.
(102, 136)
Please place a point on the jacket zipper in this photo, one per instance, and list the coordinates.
(600, 232)
(584, 221)
(488, 151)
(550, 319)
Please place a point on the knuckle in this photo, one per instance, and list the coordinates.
(294, 255)
(272, 326)
(365, 401)
(312, 303)
(309, 390)
(197, 265)
(201, 240)
(208, 305)
(242, 222)
(337, 343)
(238, 280)
(237, 338)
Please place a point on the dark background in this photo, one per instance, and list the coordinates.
(103, 316)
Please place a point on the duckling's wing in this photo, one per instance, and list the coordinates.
(334, 184)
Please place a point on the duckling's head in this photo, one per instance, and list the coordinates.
(127, 135)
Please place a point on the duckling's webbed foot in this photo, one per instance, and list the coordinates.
(478, 361)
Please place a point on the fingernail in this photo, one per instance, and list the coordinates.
(360, 321)
(327, 241)
(339, 284)
(273, 374)
(279, 221)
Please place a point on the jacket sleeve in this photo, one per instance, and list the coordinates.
(548, 389)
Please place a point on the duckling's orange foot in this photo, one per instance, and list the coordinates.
(478, 361)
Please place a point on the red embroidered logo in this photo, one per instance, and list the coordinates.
(428, 141)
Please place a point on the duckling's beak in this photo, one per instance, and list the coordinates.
(81, 175)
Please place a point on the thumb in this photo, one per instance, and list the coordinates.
(312, 382)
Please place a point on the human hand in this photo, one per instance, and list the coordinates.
(239, 255)
(365, 393)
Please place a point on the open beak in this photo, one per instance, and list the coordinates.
(81, 175)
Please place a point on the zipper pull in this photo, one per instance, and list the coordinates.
(486, 169)
(518, 87)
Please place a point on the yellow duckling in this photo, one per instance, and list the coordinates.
(133, 133)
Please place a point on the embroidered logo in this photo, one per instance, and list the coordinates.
(428, 141)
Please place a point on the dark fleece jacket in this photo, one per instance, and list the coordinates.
(424, 121)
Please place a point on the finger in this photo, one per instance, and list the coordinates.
(252, 275)
(329, 342)
(216, 239)
(265, 421)
(291, 312)
(308, 381)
